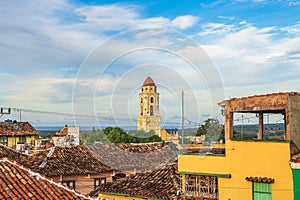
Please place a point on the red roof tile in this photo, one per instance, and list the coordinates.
(18, 182)
(260, 179)
(295, 153)
(140, 157)
(149, 82)
(61, 133)
(6, 152)
(17, 129)
(72, 160)
(162, 183)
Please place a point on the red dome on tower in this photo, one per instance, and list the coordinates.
(149, 82)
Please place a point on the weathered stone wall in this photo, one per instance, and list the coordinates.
(294, 112)
(269, 102)
(287, 103)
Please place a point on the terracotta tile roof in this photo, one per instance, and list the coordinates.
(6, 152)
(18, 182)
(63, 132)
(72, 160)
(140, 157)
(141, 147)
(295, 153)
(260, 179)
(17, 129)
(149, 82)
(162, 183)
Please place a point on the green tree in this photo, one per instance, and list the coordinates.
(212, 129)
(203, 129)
(117, 135)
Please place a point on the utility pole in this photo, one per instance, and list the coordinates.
(182, 116)
(242, 128)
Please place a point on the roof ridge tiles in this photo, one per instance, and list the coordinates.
(40, 176)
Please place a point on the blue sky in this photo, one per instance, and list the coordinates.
(91, 57)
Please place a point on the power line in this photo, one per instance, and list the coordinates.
(107, 118)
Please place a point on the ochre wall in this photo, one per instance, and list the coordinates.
(166, 136)
(12, 141)
(270, 159)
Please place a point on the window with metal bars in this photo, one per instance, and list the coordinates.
(201, 186)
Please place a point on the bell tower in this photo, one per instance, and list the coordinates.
(149, 117)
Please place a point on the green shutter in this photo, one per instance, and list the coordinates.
(262, 191)
(4, 140)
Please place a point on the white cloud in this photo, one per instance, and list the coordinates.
(39, 43)
(184, 22)
(294, 29)
(216, 28)
(249, 56)
(123, 17)
(109, 17)
(293, 3)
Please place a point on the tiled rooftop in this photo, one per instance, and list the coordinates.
(140, 157)
(141, 147)
(295, 153)
(6, 152)
(18, 182)
(149, 82)
(63, 132)
(260, 179)
(17, 129)
(72, 160)
(162, 183)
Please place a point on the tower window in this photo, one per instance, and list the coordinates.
(151, 100)
(151, 110)
(142, 89)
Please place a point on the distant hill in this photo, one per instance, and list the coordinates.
(249, 131)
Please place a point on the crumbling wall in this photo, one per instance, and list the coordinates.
(268, 102)
(294, 113)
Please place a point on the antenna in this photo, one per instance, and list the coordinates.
(182, 116)
(4, 111)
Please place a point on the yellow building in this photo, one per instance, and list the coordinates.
(18, 135)
(257, 169)
(149, 117)
(169, 134)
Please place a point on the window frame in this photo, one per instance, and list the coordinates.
(4, 140)
(69, 183)
(100, 179)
